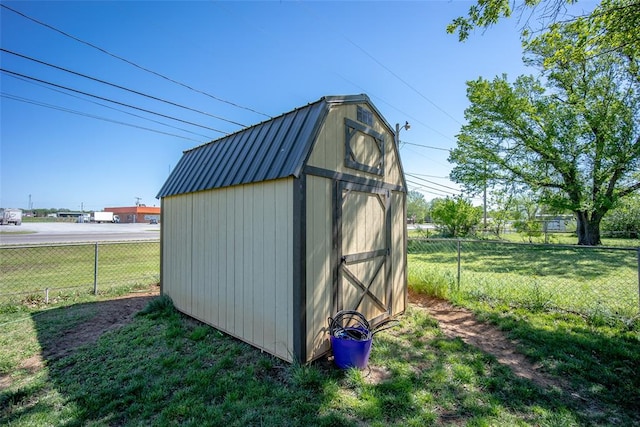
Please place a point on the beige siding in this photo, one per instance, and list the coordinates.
(363, 230)
(329, 150)
(228, 258)
(176, 262)
(398, 253)
(319, 276)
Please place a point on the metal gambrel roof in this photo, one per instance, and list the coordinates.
(276, 148)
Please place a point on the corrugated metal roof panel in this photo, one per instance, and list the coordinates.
(272, 149)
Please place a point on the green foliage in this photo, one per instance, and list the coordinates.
(482, 14)
(615, 22)
(456, 216)
(528, 228)
(416, 207)
(573, 139)
(623, 220)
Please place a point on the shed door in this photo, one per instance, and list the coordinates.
(364, 236)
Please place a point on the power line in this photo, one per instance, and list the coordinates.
(80, 113)
(428, 176)
(428, 189)
(110, 100)
(155, 98)
(132, 63)
(430, 182)
(403, 81)
(413, 119)
(425, 146)
(420, 153)
(112, 108)
(380, 63)
(442, 192)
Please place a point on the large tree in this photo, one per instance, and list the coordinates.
(618, 20)
(571, 136)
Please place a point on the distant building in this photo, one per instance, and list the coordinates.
(136, 214)
(555, 223)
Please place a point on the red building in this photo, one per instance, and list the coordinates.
(137, 214)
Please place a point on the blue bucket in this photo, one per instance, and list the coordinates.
(349, 352)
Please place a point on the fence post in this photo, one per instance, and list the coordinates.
(458, 279)
(95, 270)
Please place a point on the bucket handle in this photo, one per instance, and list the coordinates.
(352, 315)
(384, 325)
(334, 326)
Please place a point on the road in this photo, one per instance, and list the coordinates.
(53, 232)
(31, 233)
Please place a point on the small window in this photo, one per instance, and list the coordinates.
(365, 116)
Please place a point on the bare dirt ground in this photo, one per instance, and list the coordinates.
(459, 322)
(104, 316)
(454, 322)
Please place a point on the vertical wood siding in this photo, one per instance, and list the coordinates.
(363, 230)
(319, 278)
(398, 252)
(359, 222)
(329, 150)
(176, 262)
(227, 255)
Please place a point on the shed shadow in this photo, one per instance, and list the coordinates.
(62, 330)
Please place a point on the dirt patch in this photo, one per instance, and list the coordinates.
(101, 317)
(453, 321)
(458, 322)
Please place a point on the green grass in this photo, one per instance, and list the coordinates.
(553, 238)
(538, 277)
(164, 368)
(15, 231)
(25, 272)
(565, 239)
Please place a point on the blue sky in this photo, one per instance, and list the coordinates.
(245, 61)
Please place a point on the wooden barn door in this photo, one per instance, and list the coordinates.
(363, 244)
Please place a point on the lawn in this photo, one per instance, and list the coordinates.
(87, 360)
(163, 368)
(591, 281)
(27, 271)
(553, 238)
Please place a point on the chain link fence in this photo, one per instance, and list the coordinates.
(585, 280)
(40, 273)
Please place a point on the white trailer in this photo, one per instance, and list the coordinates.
(10, 216)
(105, 217)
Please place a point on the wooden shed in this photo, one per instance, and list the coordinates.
(269, 231)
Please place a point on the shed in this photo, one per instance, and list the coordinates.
(268, 231)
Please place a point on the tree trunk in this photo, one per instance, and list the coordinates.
(588, 228)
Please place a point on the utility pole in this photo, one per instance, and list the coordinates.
(406, 126)
(485, 207)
